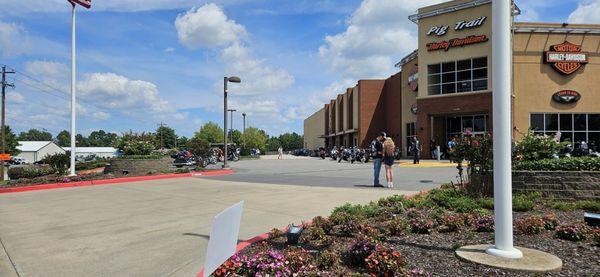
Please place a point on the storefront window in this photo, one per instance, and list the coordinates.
(458, 125)
(573, 128)
(457, 76)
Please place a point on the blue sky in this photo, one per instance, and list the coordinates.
(141, 63)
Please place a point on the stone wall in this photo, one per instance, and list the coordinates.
(138, 167)
(559, 184)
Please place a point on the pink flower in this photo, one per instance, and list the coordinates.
(475, 143)
(468, 132)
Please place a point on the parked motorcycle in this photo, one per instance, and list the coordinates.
(334, 153)
(183, 158)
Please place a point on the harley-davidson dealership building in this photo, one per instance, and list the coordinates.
(444, 88)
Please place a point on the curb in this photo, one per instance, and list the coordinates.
(113, 181)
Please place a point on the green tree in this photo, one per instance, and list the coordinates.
(136, 144)
(198, 147)
(210, 132)
(101, 139)
(63, 138)
(235, 136)
(253, 138)
(273, 143)
(182, 142)
(35, 135)
(11, 142)
(291, 141)
(81, 141)
(166, 137)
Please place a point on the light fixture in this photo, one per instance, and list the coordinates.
(293, 234)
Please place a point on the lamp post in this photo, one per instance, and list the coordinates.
(226, 80)
(231, 122)
(244, 116)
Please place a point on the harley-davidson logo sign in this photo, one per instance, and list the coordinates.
(566, 96)
(413, 78)
(566, 57)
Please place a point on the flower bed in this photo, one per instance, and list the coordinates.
(417, 237)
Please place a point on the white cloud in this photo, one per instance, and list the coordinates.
(587, 11)
(101, 115)
(15, 97)
(207, 27)
(169, 50)
(112, 91)
(377, 31)
(14, 40)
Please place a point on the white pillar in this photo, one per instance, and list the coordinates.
(502, 80)
(73, 91)
(438, 153)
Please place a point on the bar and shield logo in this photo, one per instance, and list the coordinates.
(84, 3)
(413, 78)
(566, 57)
(566, 96)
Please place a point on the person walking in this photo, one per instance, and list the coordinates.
(433, 147)
(279, 153)
(388, 159)
(377, 156)
(415, 149)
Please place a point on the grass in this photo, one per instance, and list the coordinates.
(586, 205)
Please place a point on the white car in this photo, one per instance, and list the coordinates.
(17, 161)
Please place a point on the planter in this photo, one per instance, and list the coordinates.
(137, 167)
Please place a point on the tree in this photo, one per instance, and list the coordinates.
(210, 132)
(35, 135)
(166, 137)
(81, 141)
(182, 142)
(235, 136)
(291, 141)
(63, 138)
(11, 142)
(253, 138)
(198, 147)
(101, 139)
(273, 143)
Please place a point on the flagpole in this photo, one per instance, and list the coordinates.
(73, 91)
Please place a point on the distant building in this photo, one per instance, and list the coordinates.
(33, 151)
(98, 152)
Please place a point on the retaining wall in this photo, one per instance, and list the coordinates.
(559, 184)
(138, 167)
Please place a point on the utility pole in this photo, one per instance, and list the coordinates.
(244, 116)
(161, 134)
(4, 85)
(231, 121)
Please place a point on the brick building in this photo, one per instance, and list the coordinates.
(444, 88)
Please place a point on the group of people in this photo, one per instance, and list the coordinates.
(384, 151)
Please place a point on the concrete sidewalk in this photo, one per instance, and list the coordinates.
(152, 228)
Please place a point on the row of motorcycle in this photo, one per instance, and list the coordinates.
(351, 154)
(215, 155)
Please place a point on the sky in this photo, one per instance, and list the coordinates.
(141, 63)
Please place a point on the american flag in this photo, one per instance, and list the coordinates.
(84, 3)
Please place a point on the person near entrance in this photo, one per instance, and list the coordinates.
(415, 149)
(433, 148)
(389, 149)
(377, 156)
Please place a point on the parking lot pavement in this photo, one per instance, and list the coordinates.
(308, 171)
(150, 228)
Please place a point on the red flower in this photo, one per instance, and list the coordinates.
(475, 143)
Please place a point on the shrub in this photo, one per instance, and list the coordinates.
(417, 272)
(573, 231)
(275, 234)
(314, 233)
(451, 222)
(370, 232)
(90, 165)
(522, 203)
(359, 249)
(297, 259)
(486, 203)
(530, 225)
(484, 223)
(422, 225)
(385, 262)
(550, 221)
(596, 235)
(533, 147)
(323, 223)
(398, 226)
(230, 267)
(328, 259)
(347, 224)
(358, 210)
(562, 164)
(29, 172)
(59, 162)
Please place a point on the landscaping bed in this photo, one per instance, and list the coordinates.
(417, 237)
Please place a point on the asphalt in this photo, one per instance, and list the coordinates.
(162, 227)
(316, 172)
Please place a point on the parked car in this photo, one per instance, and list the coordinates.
(17, 161)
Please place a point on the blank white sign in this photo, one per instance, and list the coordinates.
(223, 237)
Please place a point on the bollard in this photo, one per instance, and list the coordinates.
(438, 153)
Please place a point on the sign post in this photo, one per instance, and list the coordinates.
(86, 4)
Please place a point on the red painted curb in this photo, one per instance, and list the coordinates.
(113, 181)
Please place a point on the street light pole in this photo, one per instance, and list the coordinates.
(502, 134)
(73, 91)
(232, 79)
(231, 121)
(244, 116)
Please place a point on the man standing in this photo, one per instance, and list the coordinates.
(279, 153)
(377, 156)
(415, 149)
